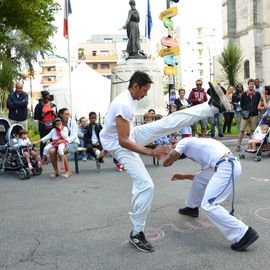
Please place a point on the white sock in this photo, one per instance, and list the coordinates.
(134, 232)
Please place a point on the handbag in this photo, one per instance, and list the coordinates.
(245, 114)
(48, 124)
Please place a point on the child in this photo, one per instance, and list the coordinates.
(257, 138)
(174, 136)
(27, 148)
(58, 135)
(163, 140)
(81, 132)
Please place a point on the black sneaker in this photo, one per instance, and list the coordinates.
(193, 212)
(250, 237)
(140, 242)
(218, 98)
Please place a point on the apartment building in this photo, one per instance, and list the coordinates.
(103, 52)
(52, 70)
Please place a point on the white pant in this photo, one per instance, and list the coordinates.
(209, 184)
(143, 188)
(60, 150)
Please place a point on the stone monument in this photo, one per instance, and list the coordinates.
(137, 60)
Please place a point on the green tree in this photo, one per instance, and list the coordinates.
(8, 73)
(31, 19)
(231, 60)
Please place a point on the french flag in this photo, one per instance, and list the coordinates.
(67, 11)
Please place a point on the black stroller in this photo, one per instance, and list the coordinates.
(11, 158)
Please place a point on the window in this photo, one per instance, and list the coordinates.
(51, 68)
(246, 70)
(51, 79)
(94, 66)
(108, 40)
(94, 53)
(104, 53)
(105, 66)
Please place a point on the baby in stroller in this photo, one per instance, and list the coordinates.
(257, 138)
(26, 148)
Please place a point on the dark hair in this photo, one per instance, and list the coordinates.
(92, 113)
(158, 116)
(250, 81)
(80, 120)
(44, 93)
(22, 131)
(61, 112)
(181, 89)
(55, 120)
(152, 110)
(139, 77)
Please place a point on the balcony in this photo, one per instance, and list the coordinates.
(99, 58)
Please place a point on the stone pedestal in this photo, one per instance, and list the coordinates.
(154, 99)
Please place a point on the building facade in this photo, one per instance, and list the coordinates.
(103, 52)
(53, 70)
(247, 22)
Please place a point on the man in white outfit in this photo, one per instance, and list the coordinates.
(211, 186)
(125, 143)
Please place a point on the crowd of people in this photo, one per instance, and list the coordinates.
(171, 136)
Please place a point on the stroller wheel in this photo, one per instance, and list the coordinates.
(258, 158)
(23, 174)
(37, 171)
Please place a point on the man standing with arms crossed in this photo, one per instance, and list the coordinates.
(126, 143)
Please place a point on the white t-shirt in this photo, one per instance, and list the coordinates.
(123, 105)
(94, 138)
(24, 142)
(206, 152)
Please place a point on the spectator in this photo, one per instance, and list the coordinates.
(182, 102)
(82, 129)
(58, 136)
(72, 140)
(27, 148)
(92, 140)
(228, 116)
(257, 138)
(45, 112)
(258, 88)
(236, 104)
(249, 105)
(216, 120)
(17, 105)
(152, 111)
(198, 96)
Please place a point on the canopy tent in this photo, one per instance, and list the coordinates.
(90, 91)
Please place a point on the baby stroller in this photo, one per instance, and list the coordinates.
(260, 147)
(11, 158)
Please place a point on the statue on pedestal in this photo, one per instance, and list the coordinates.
(133, 32)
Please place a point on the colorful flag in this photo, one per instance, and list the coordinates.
(149, 20)
(67, 11)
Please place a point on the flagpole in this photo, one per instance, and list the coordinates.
(69, 66)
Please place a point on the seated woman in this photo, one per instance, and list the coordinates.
(72, 143)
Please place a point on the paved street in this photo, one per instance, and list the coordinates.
(82, 223)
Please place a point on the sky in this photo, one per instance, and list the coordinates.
(107, 17)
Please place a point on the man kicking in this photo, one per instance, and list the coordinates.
(125, 143)
(211, 186)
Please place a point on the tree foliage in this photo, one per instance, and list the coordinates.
(31, 19)
(231, 60)
(8, 73)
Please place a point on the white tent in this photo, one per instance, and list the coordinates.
(90, 91)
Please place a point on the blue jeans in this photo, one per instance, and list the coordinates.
(216, 119)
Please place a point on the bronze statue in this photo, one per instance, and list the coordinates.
(133, 32)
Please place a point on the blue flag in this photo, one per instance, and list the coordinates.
(149, 20)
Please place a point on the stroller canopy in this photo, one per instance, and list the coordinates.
(4, 126)
(12, 133)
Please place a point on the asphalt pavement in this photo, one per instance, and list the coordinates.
(82, 223)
